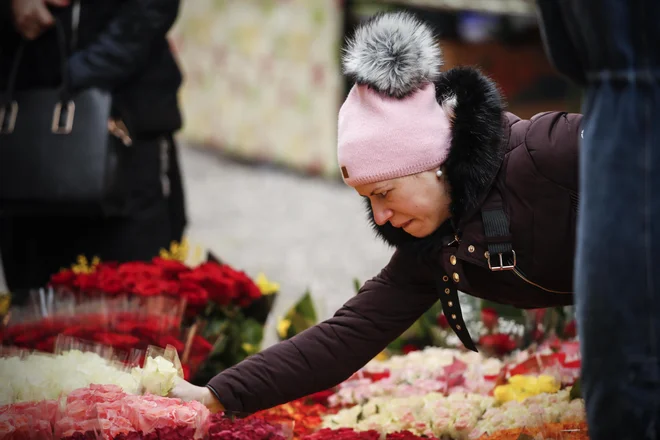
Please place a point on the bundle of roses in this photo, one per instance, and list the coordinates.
(209, 281)
(218, 301)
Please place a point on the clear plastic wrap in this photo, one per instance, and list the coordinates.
(122, 321)
(159, 372)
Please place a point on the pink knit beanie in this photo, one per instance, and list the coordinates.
(391, 124)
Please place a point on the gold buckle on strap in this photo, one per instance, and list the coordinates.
(502, 267)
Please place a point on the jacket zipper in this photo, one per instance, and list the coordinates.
(525, 279)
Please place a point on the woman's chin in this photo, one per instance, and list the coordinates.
(419, 229)
(418, 232)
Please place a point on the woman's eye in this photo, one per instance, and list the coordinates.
(383, 194)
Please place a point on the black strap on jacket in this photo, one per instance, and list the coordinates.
(451, 308)
(501, 255)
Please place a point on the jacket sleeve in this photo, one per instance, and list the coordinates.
(558, 43)
(330, 352)
(123, 47)
(553, 140)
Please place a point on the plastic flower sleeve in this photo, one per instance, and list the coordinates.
(160, 371)
(122, 360)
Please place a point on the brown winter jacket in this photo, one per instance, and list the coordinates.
(514, 191)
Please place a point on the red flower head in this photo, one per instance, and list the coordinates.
(63, 278)
(246, 290)
(538, 314)
(87, 282)
(155, 287)
(321, 397)
(186, 372)
(171, 268)
(537, 335)
(570, 331)
(408, 348)
(140, 269)
(195, 295)
(212, 278)
(200, 346)
(116, 340)
(489, 317)
(109, 281)
(165, 340)
(442, 321)
(499, 343)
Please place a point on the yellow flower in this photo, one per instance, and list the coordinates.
(382, 356)
(283, 327)
(177, 251)
(265, 286)
(5, 302)
(82, 265)
(249, 348)
(182, 252)
(520, 387)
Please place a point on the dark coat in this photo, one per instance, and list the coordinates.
(525, 170)
(609, 40)
(122, 47)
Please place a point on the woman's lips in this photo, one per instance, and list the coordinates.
(406, 224)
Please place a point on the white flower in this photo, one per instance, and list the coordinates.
(157, 377)
(45, 377)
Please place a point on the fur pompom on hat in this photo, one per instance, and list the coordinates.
(391, 124)
(394, 54)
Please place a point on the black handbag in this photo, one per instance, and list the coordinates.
(58, 155)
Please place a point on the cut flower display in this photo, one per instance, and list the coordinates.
(212, 313)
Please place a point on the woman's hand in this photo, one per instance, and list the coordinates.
(186, 391)
(32, 17)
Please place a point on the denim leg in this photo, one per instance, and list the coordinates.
(617, 276)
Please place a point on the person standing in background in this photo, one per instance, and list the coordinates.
(611, 49)
(120, 46)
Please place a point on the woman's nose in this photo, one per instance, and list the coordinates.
(381, 214)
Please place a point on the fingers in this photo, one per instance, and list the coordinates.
(43, 17)
(32, 17)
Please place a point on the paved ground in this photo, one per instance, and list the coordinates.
(302, 232)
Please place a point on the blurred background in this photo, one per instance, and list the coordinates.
(262, 88)
(263, 85)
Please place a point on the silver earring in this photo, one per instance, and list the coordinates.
(438, 173)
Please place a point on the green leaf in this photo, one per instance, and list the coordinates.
(299, 324)
(305, 307)
(576, 390)
(251, 332)
(356, 285)
(220, 345)
(214, 328)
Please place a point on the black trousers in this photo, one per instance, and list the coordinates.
(34, 248)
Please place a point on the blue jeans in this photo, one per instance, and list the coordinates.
(618, 257)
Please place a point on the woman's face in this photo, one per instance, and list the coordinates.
(418, 204)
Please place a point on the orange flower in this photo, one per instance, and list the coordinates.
(549, 431)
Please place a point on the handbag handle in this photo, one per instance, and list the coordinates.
(63, 113)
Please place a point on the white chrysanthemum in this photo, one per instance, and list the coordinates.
(45, 377)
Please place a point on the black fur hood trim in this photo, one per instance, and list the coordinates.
(475, 155)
